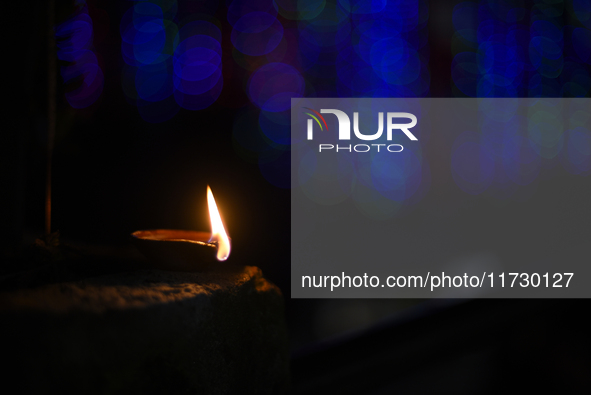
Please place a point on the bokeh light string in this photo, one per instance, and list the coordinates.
(503, 50)
(261, 46)
(388, 56)
(367, 49)
(169, 64)
(559, 54)
(255, 28)
(575, 155)
(490, 61)
(149, 37)
(388, 53)
(81, 73)
(197, 65)
(271, 89)
(546, 49)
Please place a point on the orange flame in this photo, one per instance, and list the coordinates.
(218, 233)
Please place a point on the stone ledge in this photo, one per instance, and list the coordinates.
(149, 331)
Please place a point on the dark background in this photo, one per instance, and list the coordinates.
(114, 173)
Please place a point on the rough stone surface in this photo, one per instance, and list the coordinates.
(146, 332)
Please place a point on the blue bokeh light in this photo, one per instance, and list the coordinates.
(272, 86)
(82, 73)
(169, 67)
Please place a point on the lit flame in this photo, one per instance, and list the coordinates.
(218, 233)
